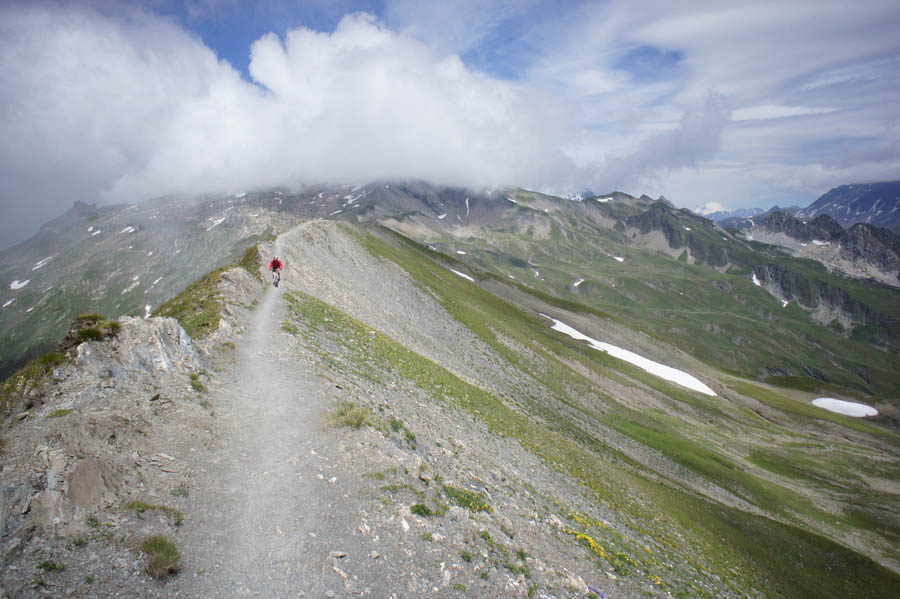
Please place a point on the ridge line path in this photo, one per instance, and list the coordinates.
(261, 520)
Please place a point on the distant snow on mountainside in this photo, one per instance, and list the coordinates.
(873, 203)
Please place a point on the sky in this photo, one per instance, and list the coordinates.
(745, 104)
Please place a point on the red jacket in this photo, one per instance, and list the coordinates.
(275, 264)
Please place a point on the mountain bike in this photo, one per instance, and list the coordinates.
(276, 277)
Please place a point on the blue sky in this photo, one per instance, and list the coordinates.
(741, 104)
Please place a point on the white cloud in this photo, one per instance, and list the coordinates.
(129, 107)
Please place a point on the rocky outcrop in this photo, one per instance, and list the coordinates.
(874, 245)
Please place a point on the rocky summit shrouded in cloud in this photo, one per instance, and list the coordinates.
(741, 104)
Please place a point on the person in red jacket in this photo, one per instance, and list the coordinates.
(276, 266)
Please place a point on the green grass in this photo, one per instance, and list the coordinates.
(348, 414)
(175, 516)
(196, 383)
(420, 509)
(252, 261)
(163, 557)
(59, 413)
(471, 500)
(30, 377)
(51, 566)
(199, 307)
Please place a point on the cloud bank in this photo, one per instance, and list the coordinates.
(131, 106)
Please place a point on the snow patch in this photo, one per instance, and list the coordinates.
(156, 281)
(40, 263)
(463, 275)
(216, 223)
(460, 252)
(130, 287)
(17, 284)
(577, 282)
(95, 233)
(847, 408)
(603, 200)
(655, 368)
(619, 258)
(756, 281)
(784, 303)
(335, 212)
(686, 228)
(30, 309)
(147, 310)
(819, 243)
(511, 200)
(128, 229)
(240, 195)
(149, 254)
(467, 207)
(8, 302)
(91, 228)
(441, 216)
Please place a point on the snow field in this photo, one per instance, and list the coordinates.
(655, 368)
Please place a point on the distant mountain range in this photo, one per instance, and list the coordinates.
(717, 212)
(873, 203)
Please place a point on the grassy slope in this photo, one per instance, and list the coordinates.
(565, 433)
(720, 318)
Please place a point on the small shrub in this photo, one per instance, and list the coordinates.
(89, 579)
(89, 334)
(163, 557)
(466, 555)
(484, 575)
(93, 522)
(458, 586)
(427, 536)
(520, 553)
(420, 509)
(140, 507)
(471, 500)
(51, 566)
(79, 542)
(349, 414)
(396, 425)
(59, 413)
(198, 386)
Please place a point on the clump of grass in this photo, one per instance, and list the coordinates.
(79, 542)
(89, 334)
(471, 500)
(427, 536)
(466, 555)
(59, 413)
(175, 516)
(396, 425)
(51, 566)
(350, 414)
(163, 557)
(420, 509)
(180, 491)
(30, 377)
(199, 307)
(197, 384)
(251, 261)
(458, 586)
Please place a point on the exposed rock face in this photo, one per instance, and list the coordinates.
(826, 302)
(864, 251)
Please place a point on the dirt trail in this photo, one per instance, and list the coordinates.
(260, 508)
